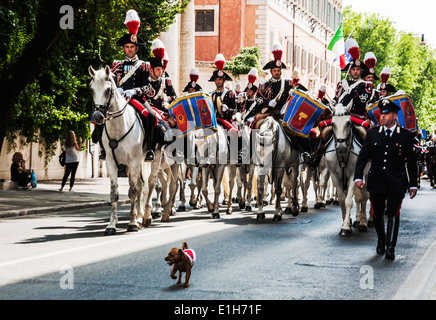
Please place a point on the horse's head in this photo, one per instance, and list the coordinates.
(341, 124)
(103, 90)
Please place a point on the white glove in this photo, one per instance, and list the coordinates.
(272, 103)
(224, 108)
(120, 90)
(130, 93)
(251, 119)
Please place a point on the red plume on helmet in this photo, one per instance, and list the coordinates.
(322, 91)
(194, 74)
(252, 75)
(370, 61)
(158, 49)
(277, 51)
(353, 49)
(384, 77)
(220, 61)
(132, 22)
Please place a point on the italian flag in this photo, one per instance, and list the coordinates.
(337, 45)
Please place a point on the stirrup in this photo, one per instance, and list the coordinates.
(149, 156)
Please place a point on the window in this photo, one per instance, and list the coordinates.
(204, 20)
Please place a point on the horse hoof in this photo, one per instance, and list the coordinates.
(304, 209)
(328, 202)
(336, 203)
(295, 213)
(228, 211)
(248, 208)
(181, 209)
(132, 228)
(110, 231)
(193, 203)
(363, 228)
(215, 215)
(165, 218)
(277, 217)
(316, 206)
(356, 224)
(288, 211)
(260, 216)
(345, 233)
(147, 222)
(155, 215)
(242, 206)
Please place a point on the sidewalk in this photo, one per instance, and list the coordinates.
(46, 197)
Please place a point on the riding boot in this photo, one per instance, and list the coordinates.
(381, 235)
(151, 144)
(392, 235)
(150, 123)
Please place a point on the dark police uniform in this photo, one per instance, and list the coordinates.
(393, 171)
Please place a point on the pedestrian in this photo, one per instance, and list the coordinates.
(72, 149)
(393, 170)
(19, 173)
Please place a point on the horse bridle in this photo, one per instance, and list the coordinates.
(113, 143)
(105, 109)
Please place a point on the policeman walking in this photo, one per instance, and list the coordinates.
(393, 170)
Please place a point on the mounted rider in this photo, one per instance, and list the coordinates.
(275, 91)
(354, 88)
(157, 90)
(224, 102)
(128, 73)
(248, 103)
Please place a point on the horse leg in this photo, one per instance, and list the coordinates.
(294, 185)
(260, 191)
(249, 184)
(111, 229)
(347, 203)
(148, 192)
(172, 193)
(134, 190)
(232, 173)
(219, 172)
(305, 182)
(181, 181)
(205, 181)
(278, 179)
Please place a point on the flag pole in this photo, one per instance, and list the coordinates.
(348, 71)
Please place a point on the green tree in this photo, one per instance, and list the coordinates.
(43, 69)
(244, 61)
(413, 67)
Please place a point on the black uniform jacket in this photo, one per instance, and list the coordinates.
(269, 90)
(393, 162)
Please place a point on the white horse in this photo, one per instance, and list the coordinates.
(123, 138)
(341, 157)
(278, 154)
(245, 172)
(213, 155)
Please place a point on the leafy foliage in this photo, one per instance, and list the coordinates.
(59, 99)
(242, 63)
(413, 67)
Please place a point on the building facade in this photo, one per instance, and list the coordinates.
(304, 28)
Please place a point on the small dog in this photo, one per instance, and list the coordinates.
(183, 261)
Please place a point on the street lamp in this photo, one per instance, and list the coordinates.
(422, 42)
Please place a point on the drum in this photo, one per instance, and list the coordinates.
(301, 113)
(193, 111)
(406, 115)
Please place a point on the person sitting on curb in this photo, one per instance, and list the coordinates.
(19, 173)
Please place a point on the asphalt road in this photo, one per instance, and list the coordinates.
(65, 256)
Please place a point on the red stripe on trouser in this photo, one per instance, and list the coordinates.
(372, 209)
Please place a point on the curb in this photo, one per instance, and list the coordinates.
(60, 208)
